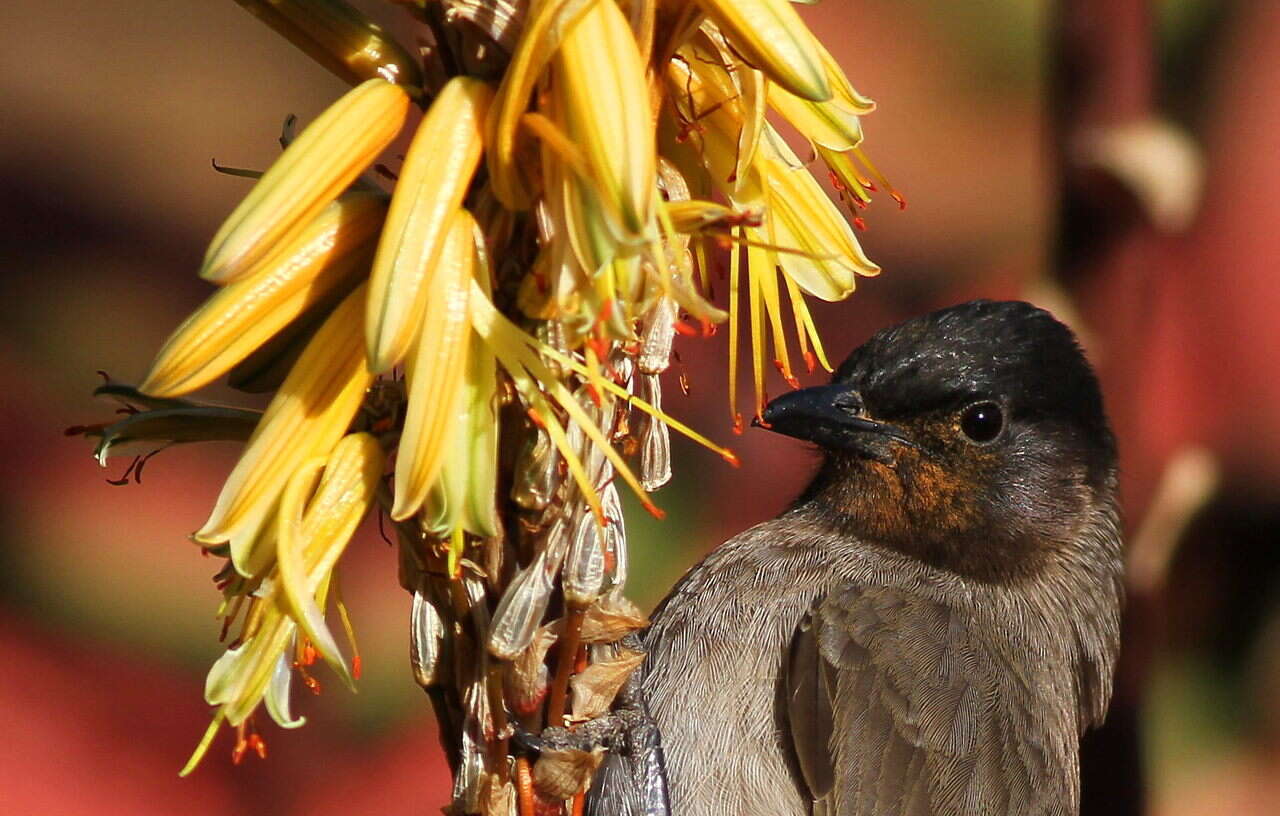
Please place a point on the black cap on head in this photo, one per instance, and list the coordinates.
(989, 348)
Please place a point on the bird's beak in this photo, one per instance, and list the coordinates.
(832, 416)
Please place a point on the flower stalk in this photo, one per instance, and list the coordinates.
(494, 326)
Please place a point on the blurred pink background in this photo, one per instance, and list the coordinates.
(113, 112)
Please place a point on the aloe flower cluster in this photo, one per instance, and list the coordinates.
(470, 339)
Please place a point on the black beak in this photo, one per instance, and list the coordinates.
(833, 416)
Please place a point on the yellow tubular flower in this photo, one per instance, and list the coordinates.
(437, 371)
(340, 38)
(238, 680)
(628, 156)
(772, 37)
(309, 544)
(544, 27)
(312, 171)
(437, 172)
(332, 253)
(464, 495)
(604, 104)
(306, 418)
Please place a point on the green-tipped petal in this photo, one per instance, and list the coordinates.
(308, 544)
(437, 371)
(463, 496)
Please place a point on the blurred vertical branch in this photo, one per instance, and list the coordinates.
(1101, 76)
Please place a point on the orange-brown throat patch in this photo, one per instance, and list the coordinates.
(935, 503)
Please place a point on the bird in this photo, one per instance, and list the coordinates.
(935, 621)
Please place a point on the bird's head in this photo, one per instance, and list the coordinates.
(973, 438)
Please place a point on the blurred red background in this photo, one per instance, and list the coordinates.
(113, 113)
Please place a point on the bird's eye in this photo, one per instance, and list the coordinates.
(982, 421)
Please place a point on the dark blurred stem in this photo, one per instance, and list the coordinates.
(566, 657)
(1101, 75)
(500, 747)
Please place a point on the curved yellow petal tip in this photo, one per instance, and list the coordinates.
(322, 162)
(772, 37)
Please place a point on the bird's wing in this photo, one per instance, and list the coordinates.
(895, 707)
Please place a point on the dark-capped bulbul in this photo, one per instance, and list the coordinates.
(932, 625)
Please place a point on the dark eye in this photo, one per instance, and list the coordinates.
(982, 421)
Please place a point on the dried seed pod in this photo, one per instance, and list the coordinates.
(563, 773)
(615, 540)
(584, 576)
(468, 775)
(426, 641)
(596, 686)
(655, 437)
(611, 619)
(497, 798)
(622, 366)
(656, 337)
(527, 678)
(537, 472)
(601, 415)
(525, 600)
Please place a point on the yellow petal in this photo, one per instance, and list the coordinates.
(307, 417)
(802, 217)
(544, 27)
(772, 37)
(312, 171)
(824, 123)
(340, 38)
(713, 116)
(746, 88)
(331, 253)
(697, 216)
(238, 679)
(463, 496)
(604, 105)
(833, 124)
(437, 172)
(437, 371)
(308, 545)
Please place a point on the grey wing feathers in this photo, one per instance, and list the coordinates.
(895, 707)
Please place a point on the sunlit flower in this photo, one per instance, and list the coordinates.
(494, 312)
